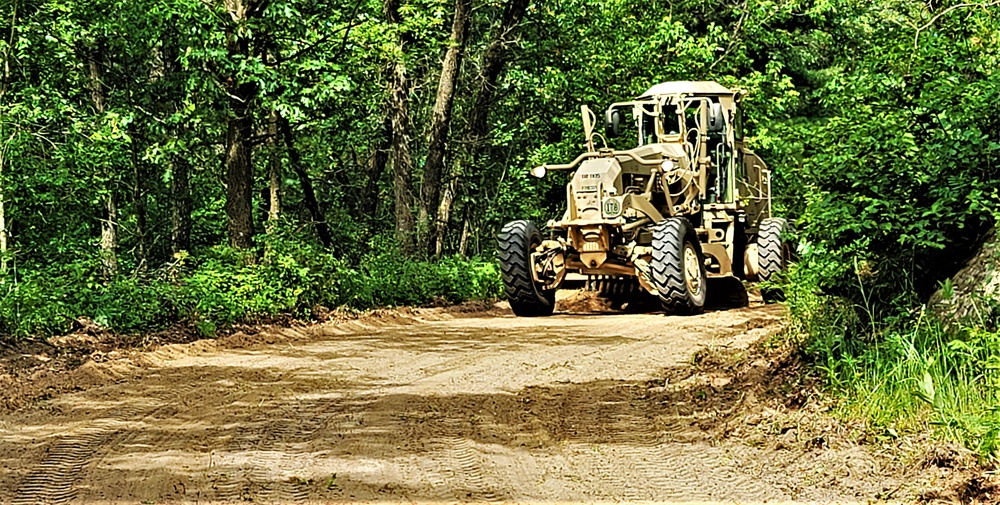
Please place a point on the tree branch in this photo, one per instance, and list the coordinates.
(5, 71)
(733, 38)
(916, 36)
(343, 43)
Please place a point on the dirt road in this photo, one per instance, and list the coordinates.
(436, 408)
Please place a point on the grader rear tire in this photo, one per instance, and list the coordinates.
(678, 268)
(516, 241)
(774, 251)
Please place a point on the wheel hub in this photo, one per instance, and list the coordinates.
(692, 270)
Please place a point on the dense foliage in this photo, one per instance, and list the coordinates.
(223, 287)
(218, 160)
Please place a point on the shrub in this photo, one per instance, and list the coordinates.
(224, 286)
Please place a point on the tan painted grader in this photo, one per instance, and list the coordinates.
(689, 203)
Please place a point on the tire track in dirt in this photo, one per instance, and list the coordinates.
(606, 473)
(666, 460)
(198, 395)
(668, 474)
(672, 477)
(364, 437)
(472, 474)
(282, 431)
(665, 467)
(466, 469)
(425, 467)
(275, 437)
(661, 471)
(53, 480)
(514, 466)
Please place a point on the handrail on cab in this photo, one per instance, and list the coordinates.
(592, 154)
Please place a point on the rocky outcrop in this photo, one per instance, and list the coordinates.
(973, 294)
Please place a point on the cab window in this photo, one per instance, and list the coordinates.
(648, 126)
(738, 123)
(671, 123)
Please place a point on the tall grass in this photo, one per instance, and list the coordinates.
(907, 372)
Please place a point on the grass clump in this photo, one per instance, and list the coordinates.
(904, 371)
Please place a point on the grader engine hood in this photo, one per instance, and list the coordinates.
(594, 187)
(595, 205)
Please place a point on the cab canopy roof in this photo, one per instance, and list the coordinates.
(688, 88)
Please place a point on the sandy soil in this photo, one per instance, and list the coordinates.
(435, 406)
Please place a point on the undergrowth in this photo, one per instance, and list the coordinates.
(224, 286)
(904, 371)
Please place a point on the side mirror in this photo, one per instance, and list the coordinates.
(716, 118)
(612, 123)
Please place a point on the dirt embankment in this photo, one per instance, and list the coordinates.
(443, 405)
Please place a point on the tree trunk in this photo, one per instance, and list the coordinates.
(180, 197)
(463, 241)
(4, 83)
(239, 129)
(440, 121)
(308, 193)
(3, 210)
(494, 61)
(378, 158)
(109, 238)
(180, 168)
(139, 207)
(138, 192)
(376, 166)
(443, 216)
(402, 160)
(274, 172)
(109, 211)
(239, 174)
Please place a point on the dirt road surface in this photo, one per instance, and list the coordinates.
(427, 408)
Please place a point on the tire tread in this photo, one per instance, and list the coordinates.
(667, 266)
(513, 248)
(771, 254)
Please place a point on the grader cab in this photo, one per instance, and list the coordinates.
(685, 203)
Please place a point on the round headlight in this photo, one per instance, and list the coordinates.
(667, 165)
(538, 171)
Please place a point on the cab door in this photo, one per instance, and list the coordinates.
(751, 172)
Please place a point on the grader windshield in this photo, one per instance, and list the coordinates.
(649, 121)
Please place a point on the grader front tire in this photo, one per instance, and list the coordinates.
(516, 241)
(677, 267)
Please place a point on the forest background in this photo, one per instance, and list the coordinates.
(209, 162)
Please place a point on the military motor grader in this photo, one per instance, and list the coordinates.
(688, 203)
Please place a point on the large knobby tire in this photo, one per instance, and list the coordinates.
(516, 241)
(678, 268)
(773, 253)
